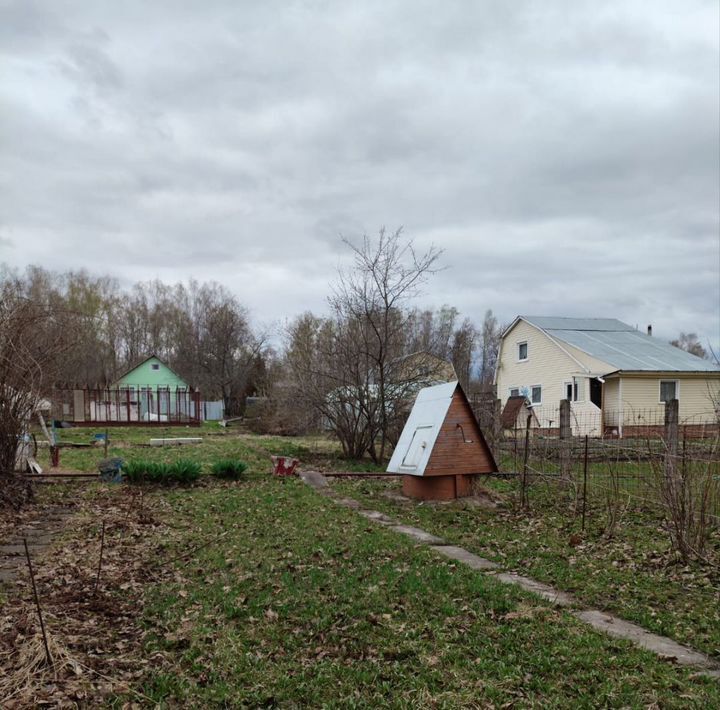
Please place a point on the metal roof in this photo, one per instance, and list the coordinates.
(620, 345)
(426, 418)
(557, 323)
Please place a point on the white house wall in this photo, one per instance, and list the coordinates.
(641, 399)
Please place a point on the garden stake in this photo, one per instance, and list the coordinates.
(37, 604)
(585, 464)
(102, 547)
(106, 442)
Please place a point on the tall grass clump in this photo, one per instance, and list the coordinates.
(185, 471)
(141, 471)
(230, 469)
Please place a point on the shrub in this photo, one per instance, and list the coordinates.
(141, 471)
(228, 468)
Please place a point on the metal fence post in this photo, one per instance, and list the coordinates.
(585, 472)
(671, 438)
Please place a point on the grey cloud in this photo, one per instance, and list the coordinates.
(564, 155)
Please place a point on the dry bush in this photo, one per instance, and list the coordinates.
(687, 488)
(33, 337)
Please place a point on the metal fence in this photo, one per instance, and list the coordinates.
(634, 468)
(127, 406)
(584, 418)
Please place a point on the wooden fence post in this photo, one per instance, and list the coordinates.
(565, 440)
(524, 498)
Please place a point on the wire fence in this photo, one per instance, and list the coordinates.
(585, 419)
(639, 457)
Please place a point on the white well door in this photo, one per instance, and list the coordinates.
(417, 447)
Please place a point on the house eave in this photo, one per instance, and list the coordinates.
(695, 374)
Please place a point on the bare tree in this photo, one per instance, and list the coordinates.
(690, 343)
(490, 338)
(463, 347)
(328, 376)
(386, 273)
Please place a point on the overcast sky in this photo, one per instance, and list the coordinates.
(564, 154)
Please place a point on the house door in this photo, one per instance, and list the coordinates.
(596, 392)
(417, 447)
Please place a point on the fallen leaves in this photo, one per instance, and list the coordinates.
(96, 640)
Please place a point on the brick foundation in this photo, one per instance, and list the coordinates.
(438, 487)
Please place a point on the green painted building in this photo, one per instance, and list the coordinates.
(156, 391)
(151, 372)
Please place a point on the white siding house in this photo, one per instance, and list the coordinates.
(614, 376)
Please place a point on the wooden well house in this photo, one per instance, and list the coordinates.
(441, 450)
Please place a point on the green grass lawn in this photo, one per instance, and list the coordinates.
(319, 453)
(305, 604)
(632, 573)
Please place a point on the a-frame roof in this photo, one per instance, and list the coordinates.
(151, 356)
(426, 419)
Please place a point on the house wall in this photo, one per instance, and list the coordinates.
(144, 376)
(548, 366)
(641, 398)
(611, 401)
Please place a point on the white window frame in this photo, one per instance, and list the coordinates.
(510, 391)
(531, 388)
(575, 390)
(677, 390)
(527, 351)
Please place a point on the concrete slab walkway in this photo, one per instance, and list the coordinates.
(606, 623)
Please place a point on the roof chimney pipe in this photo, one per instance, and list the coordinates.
(649, 330)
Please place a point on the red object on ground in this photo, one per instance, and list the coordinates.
(54, 456)
(284, 465)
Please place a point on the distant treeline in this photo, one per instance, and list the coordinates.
(205, 334)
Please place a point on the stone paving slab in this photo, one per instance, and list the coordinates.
(13, 549)
(7, 574)
(462, 555)
(39, 534)
(376, 516)
(347, 502)
(662, 646)
(315, 479)
(543, 590)
(418, 534)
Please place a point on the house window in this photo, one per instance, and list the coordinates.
(522, 351)
(572, 391)
(155, 366)
(514, 391)
(668, 390)
(536, 394)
